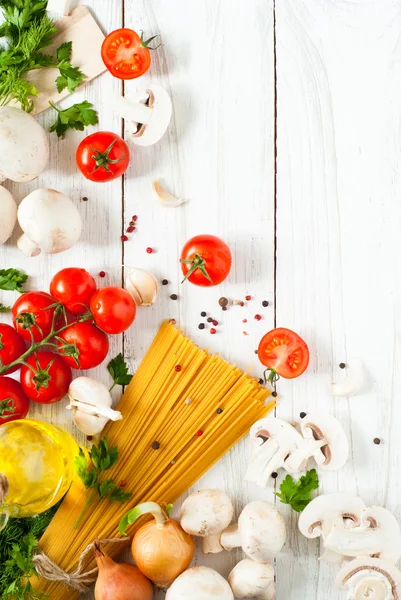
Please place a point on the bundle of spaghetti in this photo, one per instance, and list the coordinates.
(196, 413)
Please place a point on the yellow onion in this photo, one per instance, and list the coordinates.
(120, 581)
(161, 548)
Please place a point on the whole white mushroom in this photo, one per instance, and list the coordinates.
(50, 221)
(8, 214)
(250, 579)
(24, 149)
(200, 583)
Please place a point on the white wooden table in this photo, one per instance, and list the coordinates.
(286, 142)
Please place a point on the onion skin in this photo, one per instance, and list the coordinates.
(120, 581)
(162, 551)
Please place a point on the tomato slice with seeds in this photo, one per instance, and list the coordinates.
(125, 54)
(284, 353)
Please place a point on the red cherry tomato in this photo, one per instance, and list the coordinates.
(74, 288)
(14, 404)
(83, 345)
(102, 156)
(31, 314)
(113, 309)
(125, 54)
(47, 378)
(206, 260)
(12, 345)
(284, 353)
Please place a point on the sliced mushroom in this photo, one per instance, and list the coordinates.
(8, 212)
(206, 514)
(327, 511)
(370, 579)
(275, 440)
(260, 532)
(378, 535)
(148, 115)
(250, 579)
(353, 382)
(324, 440)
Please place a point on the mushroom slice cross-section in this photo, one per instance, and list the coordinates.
(324, 440)
(250, 579)
(206, 514)
(275, 440)
(370, 579)
(260, 532)
(378, 535)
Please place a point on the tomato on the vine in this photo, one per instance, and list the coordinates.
(206, 260)
(14, 404)
(83, 345)
(125, 54)
(45, 378)
(284, 353)
(12, 345)
(74, 288)
(33, 315)
(103, 156)
(113, 309)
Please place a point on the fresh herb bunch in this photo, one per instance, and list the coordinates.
(102, 459)
(17, 545)
(298, 493)
(28, 30)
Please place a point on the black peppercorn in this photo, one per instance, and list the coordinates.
(174, 296)
(274, 394)
(274, 475)
(84, 199)
(209, 320)
(261, 381)
(219, 411)
(203, 314)
(376, 441)
(255, 352)
(302, 415)
(165, 282)
(224, 308)
(342, 365)
(155, 445)
(223, 301)
(201, 326)
(265, 303)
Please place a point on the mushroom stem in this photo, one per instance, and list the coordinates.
(211, 544)
(27, 246)
(231, 538)
(297, 461)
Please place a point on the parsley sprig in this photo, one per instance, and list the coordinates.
(70, 77)
(118, 369)
(77, 117)
(102, 458)
(298, 493)
(12, 279)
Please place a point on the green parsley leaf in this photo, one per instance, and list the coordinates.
(12, 279)
(298, 493)
(70, 77)
(118, 369)
(76, 117)
(118, 495)
(64, 52)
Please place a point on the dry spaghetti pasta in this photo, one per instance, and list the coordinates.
(171, 407)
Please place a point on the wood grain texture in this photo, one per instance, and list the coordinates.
(338, 218)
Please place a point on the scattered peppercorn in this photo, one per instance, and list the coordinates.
(255, 352)
(265, 303)
(235, 302)
(85, 199)
(134, 218)
(242, 303)
(199, 433)
(215, 323)
(203, 314)
(123, 483)
(261, 381)
(248, 298)
(172, 321)
(177, 368)
(155, 445)
(212, 331)
(302, 415)
(258, 317)
(274, 475)
(174, 296)
(188, 401)
(274, 394)
(209, 320)
(224, 308)
(245, 333)
(164, 282)
(245, 320)
(89, 438)
(124, 238)
(102, 274)
(219, 411)
(132, 223)
(377, 441)
(342, 365)
(130, 229)
(223, 301)
(201, 326)
(149, 250)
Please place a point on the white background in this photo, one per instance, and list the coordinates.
(285, 140)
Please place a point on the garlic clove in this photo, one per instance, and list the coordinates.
(165, 197)
(142, 286)
(88, 424)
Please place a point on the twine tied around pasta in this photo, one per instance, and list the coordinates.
(79, 580)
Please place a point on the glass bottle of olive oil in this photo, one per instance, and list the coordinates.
(36, 467)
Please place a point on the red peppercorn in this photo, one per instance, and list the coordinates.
(130, 229)
(89, 438)
(124, 238)
(215, 323)
(212, 331)
(258, 317)
(134, 218)
(102, 274)
(245, 320)
(248, 298)
(199, 433)
(245, 333)
(123, 483)
(242, 303)
(149, 250)
(177, 368)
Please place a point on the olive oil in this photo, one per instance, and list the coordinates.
(38, 461)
